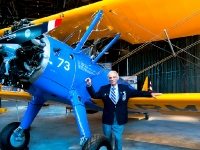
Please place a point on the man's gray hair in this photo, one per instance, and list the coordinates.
(113, 72)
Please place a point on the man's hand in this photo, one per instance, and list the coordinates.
(88, 81)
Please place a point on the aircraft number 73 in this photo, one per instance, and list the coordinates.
(64, 63)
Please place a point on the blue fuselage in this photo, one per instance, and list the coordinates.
(63, 70)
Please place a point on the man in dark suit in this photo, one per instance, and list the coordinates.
(115, 112)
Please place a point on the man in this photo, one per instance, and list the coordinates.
(115, 112)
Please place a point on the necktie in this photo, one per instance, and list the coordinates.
(113, 95)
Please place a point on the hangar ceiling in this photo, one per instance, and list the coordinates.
(14, 10)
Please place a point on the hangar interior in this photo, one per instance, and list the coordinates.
(167, 71)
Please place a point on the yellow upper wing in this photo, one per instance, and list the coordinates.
(137, 21)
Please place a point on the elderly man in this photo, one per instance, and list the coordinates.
(115, 112)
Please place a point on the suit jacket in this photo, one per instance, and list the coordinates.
(121, 108)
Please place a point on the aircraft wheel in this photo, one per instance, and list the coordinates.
(8, 140)
(146, 116)
(89, 111)
(97, 142)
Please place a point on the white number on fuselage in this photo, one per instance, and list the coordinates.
(63, 63)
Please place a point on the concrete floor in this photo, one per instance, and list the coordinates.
(54, 129)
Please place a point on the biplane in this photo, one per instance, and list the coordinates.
(51, 62)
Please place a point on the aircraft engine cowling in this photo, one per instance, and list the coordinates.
(25, 63)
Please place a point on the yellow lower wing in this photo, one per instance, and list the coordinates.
(176, 103)
(12, 95)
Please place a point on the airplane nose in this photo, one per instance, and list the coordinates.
(19, 63)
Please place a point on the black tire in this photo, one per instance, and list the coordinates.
(5, 138)
(146, 116)
(90, 111)
(96, 142)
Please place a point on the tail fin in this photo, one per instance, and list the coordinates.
(147, 86)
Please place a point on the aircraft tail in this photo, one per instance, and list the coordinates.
(147, 86)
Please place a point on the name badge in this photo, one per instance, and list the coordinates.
(105, 94)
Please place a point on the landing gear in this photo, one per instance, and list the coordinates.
(139, 115)
(12, 137)
(146, 116)
(97, 142)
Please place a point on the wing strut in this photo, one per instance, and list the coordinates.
(107, 47)
(89, 30)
